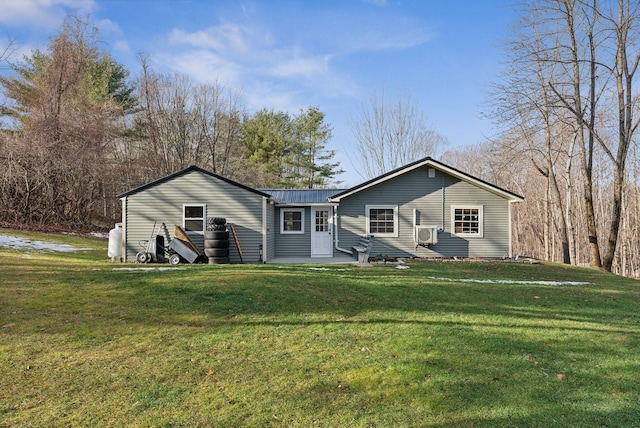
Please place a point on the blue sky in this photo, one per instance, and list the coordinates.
(287, 55)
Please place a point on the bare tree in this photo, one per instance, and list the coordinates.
(525, 106)
(391, 134)
(182, 124)
(219, 125)
(6, 51)
(575, 61)
(64, 112)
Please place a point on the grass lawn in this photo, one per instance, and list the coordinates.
(82, 344)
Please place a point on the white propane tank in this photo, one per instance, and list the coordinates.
(115, 240)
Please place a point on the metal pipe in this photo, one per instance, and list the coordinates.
(443, 201)
(335, 231)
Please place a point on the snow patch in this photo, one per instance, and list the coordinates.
(324, 268)
(27, 244)
(508, 281)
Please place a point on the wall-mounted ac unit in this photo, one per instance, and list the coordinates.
(425, 235)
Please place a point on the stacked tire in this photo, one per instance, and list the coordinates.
(216, 241)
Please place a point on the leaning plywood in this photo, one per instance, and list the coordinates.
(179, 233)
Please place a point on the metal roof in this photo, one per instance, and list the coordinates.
(302, 196)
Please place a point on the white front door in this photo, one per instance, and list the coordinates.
(321, 245)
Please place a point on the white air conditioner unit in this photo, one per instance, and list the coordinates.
(426, 235)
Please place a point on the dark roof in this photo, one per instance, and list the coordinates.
(192, 168)
(425, 161)
(301, 196)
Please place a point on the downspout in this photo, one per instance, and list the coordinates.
(415, 223)
(442, 192)
(510, 233)
(265, 253)
(125, 227)
(335, 231)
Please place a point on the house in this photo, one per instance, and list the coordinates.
(424, 209)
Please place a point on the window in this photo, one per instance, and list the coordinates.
(292, 220)
(193, 218)
(466, 220)
(382, 220)
(322, 221)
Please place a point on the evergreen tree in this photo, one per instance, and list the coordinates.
(290, 152)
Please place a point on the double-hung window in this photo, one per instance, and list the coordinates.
(467, 220)
(292, 220)
(194, 218)
(382, 220)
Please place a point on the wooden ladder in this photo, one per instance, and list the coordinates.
(235, 238)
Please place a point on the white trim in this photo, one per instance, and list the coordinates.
(367, 208)
(204, 218)
(328, 209)
(292, 232)
(480, 209)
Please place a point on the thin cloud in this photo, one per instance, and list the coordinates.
(374, 32)
(224, 38)
(267, 61)
(122, 46)
(202, 65)
(261, 95)
(41, 13)
(233, 49)
(108, 26)
(299, 66)
(380, 3)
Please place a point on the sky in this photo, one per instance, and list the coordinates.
(288, 55)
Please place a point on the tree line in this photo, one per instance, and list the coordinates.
(568, 108)
(77, 129)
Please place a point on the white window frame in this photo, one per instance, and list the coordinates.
(367, 211)
(480, 209)
(203, 218)
(291, 232)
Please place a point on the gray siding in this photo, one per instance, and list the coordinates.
(271, 232)
(293, 245)
(163, 203)
(415, 190)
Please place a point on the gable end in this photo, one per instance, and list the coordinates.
(185, 171)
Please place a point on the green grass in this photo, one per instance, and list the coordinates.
(248, 345)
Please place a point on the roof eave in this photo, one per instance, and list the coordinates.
(512, 197)
(186, 171)
(305, 204)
